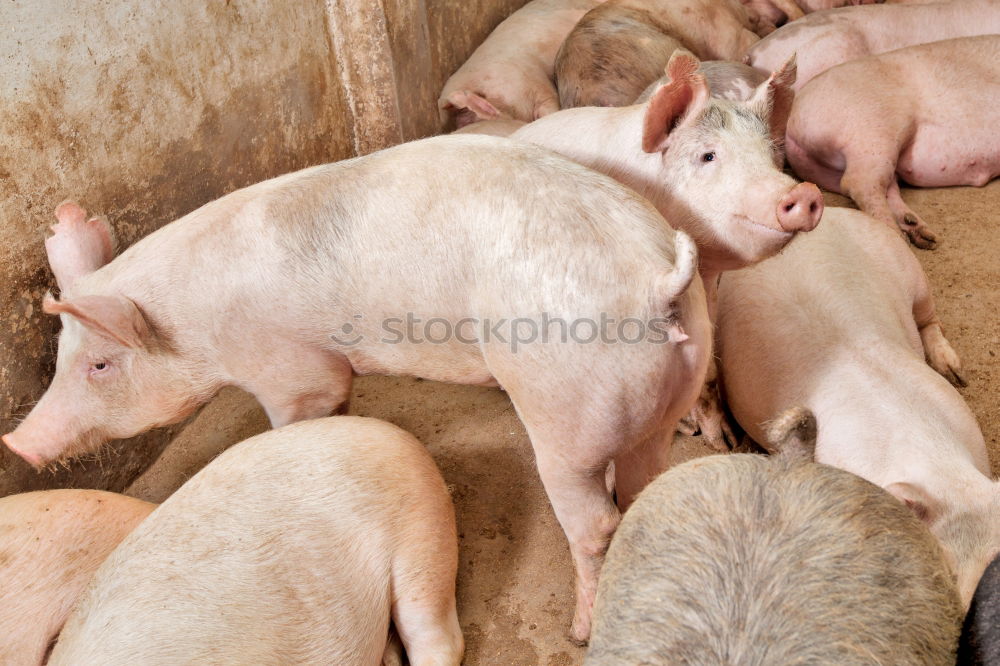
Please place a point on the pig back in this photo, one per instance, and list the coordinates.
(848, 286)
(742, 559)
(279, 551)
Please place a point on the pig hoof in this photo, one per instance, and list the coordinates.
(956, 378)
(919, 233)
(688, 425)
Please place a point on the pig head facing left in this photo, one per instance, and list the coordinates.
(115, 375)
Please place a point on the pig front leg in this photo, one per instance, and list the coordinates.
(709, 416)
(871, 181)
(302, 384)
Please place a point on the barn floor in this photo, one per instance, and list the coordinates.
(515, 578)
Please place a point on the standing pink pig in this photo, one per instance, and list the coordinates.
(510, 75)
(841, 322)
(927, 114)
(519, 269)
(51, 543)
(711, 165)
(823, 40)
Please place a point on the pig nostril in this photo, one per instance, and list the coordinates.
(812, 207)
(789, 207)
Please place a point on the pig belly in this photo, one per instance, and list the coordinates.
(937, 158)
(453, 366)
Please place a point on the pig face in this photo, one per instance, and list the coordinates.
(114, 375)
(970, 535)
(718, 162)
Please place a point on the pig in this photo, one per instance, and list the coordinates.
(709, 165)
(741, 559)
(843, 323)
(622, 46)
(511, 74)
(824, 40)
(925, 114)
(979, 644)
(289, 288)
(51, 543)
(295, 546)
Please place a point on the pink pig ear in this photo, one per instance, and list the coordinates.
(78, 246)
(916, 498)
(677, 102)
(115, 317)
(775, 96)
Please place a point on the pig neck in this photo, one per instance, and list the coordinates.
(887, 416)
(611, 143)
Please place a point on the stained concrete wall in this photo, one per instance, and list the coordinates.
(144, 111)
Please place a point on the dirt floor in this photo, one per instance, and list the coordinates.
(515, 579)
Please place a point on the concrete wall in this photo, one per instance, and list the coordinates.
(144, 111)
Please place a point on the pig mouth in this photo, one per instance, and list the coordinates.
(771, 231)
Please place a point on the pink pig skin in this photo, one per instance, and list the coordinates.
(927, 114)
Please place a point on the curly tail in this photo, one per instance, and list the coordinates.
(670, 286)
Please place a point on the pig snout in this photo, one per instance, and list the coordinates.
(33, 459)
(801, 208)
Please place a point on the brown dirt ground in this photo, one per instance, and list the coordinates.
(515, 580)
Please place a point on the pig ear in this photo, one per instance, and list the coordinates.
(78, 246)
(774, 98)
(681, 99)
(115, 317)
(923, 505)
(793, 434)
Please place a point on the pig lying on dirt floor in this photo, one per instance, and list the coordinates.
(293, 547)
(510, 75)
(841, 323)
(51, 543)
(288, 288)
(742, 559)
(927, 113)
(821, 41)
(711, 166)
(980, 642)
(622, 46)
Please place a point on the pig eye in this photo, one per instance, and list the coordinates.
(708, 157)
(99, 367)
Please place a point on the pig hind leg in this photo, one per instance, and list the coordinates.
(572, 460)
(939, 352)
(305, 384)
(908, 221)
(870, 180)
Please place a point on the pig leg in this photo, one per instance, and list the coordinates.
(424, 605)
(939, 352)
(868, 180)
(905, 216)
(635, 468)
(573, 471)
(708, 414)
(302, 384)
